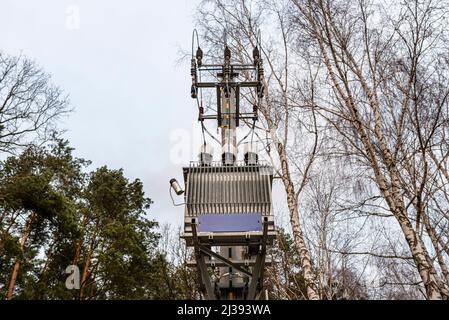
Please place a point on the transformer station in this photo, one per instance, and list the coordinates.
(228, 216)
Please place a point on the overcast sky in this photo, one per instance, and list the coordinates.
(118, 61)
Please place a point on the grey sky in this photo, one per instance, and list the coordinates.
(119, 66)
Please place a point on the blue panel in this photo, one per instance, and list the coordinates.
(230, 222)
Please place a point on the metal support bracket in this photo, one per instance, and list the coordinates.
(201, 265)
(226, 261)
(257, 276)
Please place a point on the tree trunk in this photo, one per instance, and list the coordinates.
(15, 269)
(87, 261)
(298, 236)
(420, 255)
(85, 273)
(292, 202)
(80, 241)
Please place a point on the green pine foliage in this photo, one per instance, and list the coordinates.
(55, 213)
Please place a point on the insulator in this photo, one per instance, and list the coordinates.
(251, 157)
(193, 67)
(255, 107)
(228, 158)
(260, 73)
(199, 56)
(205, 159)
(228, 153)
(256, 55)
(205, 155)
(193, 91)
(201, 114)
(193, 88)
(227, 53)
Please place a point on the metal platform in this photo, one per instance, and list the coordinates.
(230, 238)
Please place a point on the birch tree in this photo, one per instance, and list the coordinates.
(388, 101)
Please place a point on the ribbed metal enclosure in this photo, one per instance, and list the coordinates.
(236, 189)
